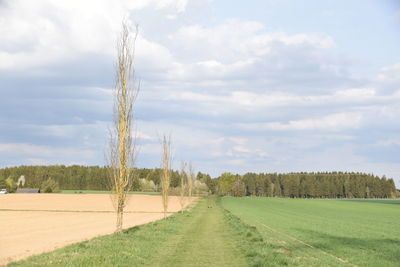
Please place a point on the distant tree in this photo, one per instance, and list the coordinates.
(11, 185)
(225, 183)
(155, 176)
(307, 185)
(175, 178)
(238, 188)
(391, 188)
(147, 185)
(3, 184)
(183, 186)
(200, 188)
(206, 178)
(49, 186)
(190, 179)
(277, 188)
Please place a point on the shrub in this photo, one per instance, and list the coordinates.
(11, 186)
(200, 186)
(147, 185)
(49, 186)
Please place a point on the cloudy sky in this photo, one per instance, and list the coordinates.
(261, 86)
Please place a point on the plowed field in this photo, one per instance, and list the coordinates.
(35, 223)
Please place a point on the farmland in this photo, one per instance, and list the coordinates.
(246, 231)
(37, 223)
(199, 237)
(325, 232)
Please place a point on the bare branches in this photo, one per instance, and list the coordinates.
(122, 148)
(190, 179)
(166, 172)
(183, 187)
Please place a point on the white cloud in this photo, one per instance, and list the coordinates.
(236, 39)
(47, 32)
(395, 141)
(390, 75)
(234, 95)
(333, 122)
(46, 153)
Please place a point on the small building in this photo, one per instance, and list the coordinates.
(28, 190)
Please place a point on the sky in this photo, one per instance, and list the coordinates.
(240, 86)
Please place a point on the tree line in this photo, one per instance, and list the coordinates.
(293, 185)
(77, 177)
(307, 185)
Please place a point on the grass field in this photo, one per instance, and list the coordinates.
(325, 232)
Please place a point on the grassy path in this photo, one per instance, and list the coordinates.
(206, 241)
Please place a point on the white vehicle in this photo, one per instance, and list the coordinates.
(3, 191)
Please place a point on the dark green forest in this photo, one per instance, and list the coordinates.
(307, 185)
(79, 177)
(293, 185)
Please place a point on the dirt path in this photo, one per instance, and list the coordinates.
(33, 224)
(205, 241)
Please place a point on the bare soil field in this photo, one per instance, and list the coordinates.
(36, 223)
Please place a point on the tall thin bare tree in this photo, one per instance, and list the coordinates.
(182, 192)
(122, 145)
(166, 173)
(190, 179)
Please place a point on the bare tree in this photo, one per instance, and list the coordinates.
(166, 173)
(122, 145)
(183, 186)
(190, 179)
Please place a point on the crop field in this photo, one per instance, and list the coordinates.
(324, 232)
(247, 231)
(35, 223)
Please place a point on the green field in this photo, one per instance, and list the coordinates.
(325, 232)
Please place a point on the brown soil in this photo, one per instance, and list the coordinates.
(35, 223)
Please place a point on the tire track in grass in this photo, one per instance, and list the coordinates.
(306, 244)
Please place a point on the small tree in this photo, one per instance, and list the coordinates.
(49, 186)
(147, 185)
(225, 183)
(122, 148)
(3, 184)
(166, 173)
(11, 186)
(238, 188)
(190, 179)
(183, 177)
